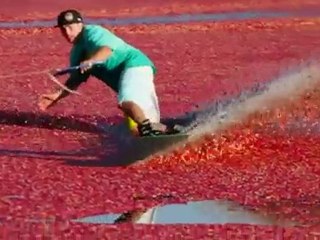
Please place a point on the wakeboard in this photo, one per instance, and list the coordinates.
(151, 145)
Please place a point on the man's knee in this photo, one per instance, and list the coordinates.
(141, 112)
(126, 104)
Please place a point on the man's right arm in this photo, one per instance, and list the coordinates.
(73, 82)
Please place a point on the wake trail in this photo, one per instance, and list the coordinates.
(221, 115)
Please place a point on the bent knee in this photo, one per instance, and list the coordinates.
(126, 104)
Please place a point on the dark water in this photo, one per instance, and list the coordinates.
(200, 212)
(182, 18)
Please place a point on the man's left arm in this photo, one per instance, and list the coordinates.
(98, 43)
(100, 55)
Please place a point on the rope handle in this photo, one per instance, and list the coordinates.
(52, 76)
(63, 71)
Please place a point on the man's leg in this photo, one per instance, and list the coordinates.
(138, 100)
(133, 110)
(137, 119)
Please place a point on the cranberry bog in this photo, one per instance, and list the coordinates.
(60, 168)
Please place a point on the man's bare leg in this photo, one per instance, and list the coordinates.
(135, 112)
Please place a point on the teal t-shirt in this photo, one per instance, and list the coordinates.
(123, 54)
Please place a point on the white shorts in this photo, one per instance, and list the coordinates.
(137, 85)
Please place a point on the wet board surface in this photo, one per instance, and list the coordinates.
(144, 147)
(162, 141)
(172, 137)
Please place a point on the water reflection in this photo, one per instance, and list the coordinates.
(197, 212)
